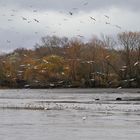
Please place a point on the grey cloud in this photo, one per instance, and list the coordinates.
(11, 40)
(27, 37)
(68, 5)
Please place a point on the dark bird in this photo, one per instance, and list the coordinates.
(86, 3)
(80, 36)
(34, 10)
(119, 27)
(118, 99)
(65, 19)
(93, 18)
(9, 19)
(107, 23)
(71, 13)
(36, 20)
(13, 10)
(8, 41)
(106, 16)
(75, 8)
(24, 18)
(29, 21)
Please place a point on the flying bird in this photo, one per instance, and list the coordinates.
(8, 41)
(107, 23)
(84, 117)
(35, 11)
(136, 63)
(65, 19)
(93, 18)
(75, 8)
(86, 3)
(36, 20)
(80, 36)
(13, 10)
(9, 19)
(106, 16)
(24, 18)
(71, 13)
(107, 56)
(29, 21)
(119, 27)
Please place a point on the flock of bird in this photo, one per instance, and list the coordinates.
(70, 13)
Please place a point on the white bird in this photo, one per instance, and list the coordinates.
(45, 61)
(25, 55)
(45, 108)
(107, 56)
(84, 117)
(22, 65)
(124, 67)
(136, 63)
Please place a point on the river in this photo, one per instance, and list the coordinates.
(70, 114)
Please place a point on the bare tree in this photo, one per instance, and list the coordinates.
(130, 42)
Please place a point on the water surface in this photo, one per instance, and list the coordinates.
(66, 114)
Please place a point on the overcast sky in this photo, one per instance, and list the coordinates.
(24, 22)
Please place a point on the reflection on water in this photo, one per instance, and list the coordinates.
(65, 114)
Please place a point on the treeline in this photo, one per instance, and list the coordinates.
(63, 62)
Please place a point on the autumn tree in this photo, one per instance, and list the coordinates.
(73, 58)
(51, 45)
(130, 42)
